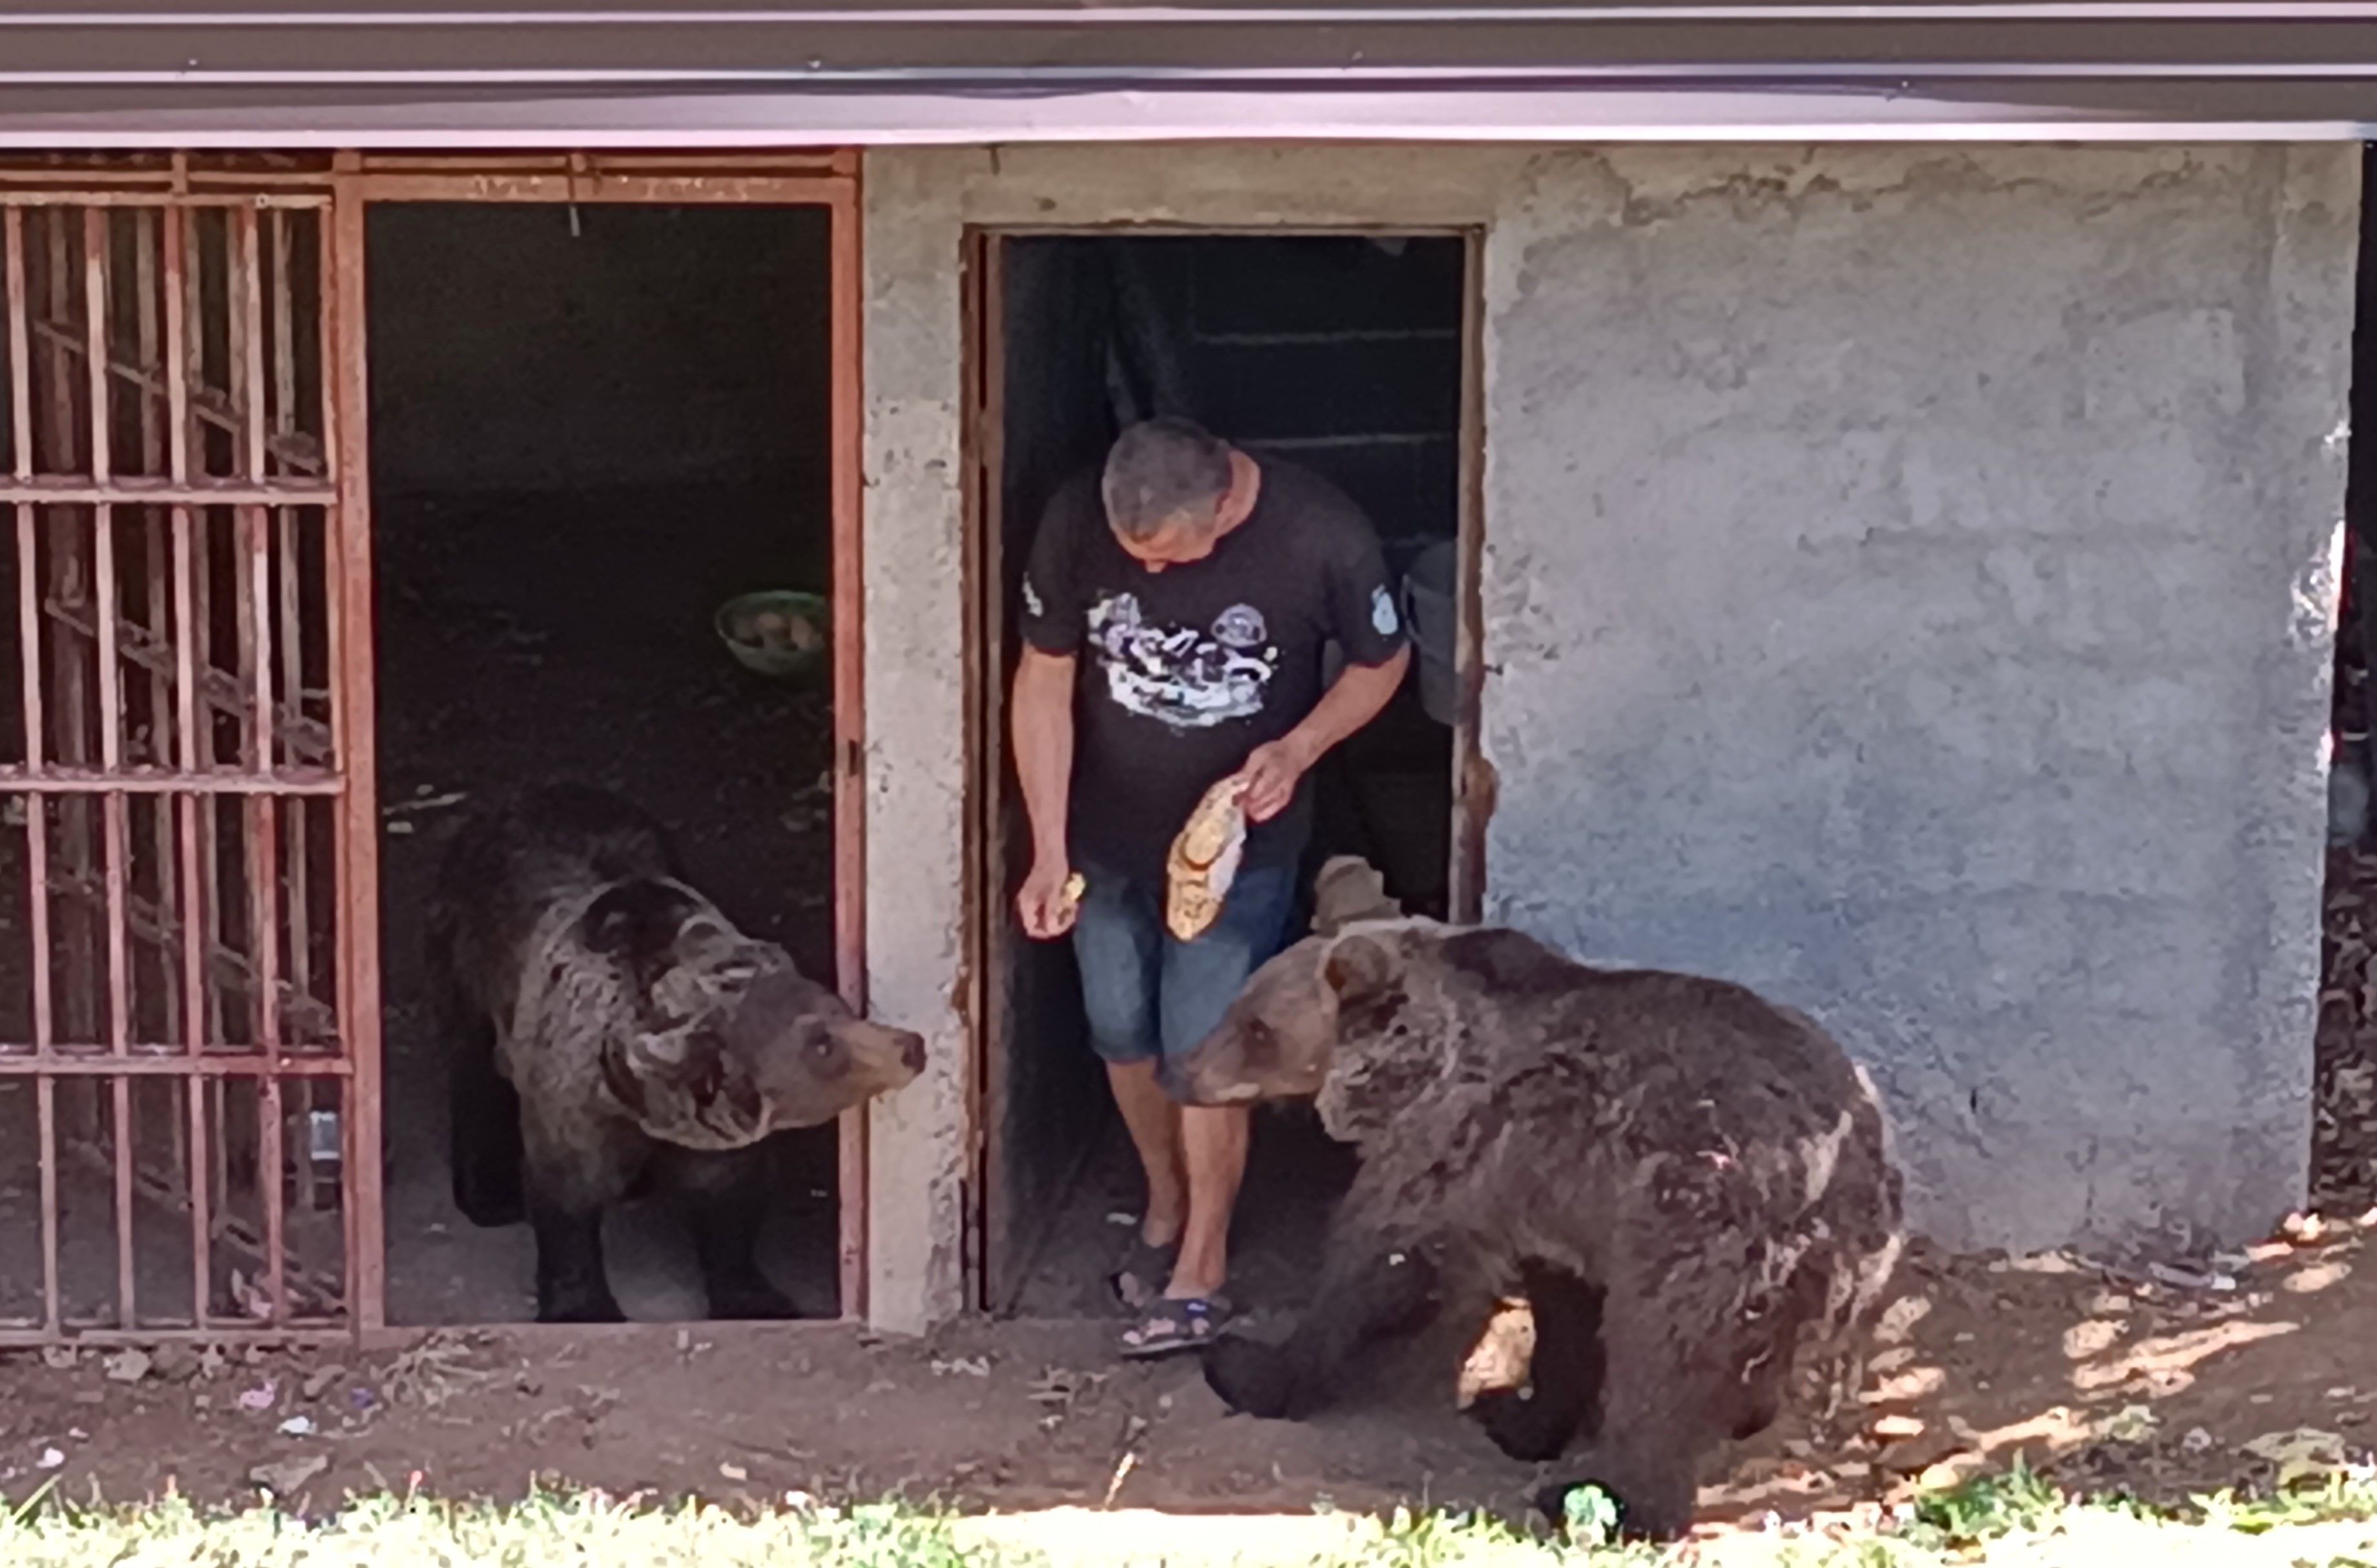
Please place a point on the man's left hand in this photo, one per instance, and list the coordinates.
(1271, 771)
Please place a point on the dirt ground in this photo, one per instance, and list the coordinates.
(2110, 1382)
(2218, 1373)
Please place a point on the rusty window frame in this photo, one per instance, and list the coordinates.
(271, 483)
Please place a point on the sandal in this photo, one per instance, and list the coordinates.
(1172, 1326)
(1145, 1271)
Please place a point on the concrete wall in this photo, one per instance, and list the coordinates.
(1906, 577)
(1908, 581)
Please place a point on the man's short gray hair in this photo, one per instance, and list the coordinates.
(1160, 470)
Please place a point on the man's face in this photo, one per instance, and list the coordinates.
(1183, 537)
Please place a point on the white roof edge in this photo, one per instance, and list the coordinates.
(924, 119)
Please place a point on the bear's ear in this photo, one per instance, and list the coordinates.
(1348, 889)
(1357, 966)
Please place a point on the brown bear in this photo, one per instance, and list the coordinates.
(1689, 1186)
(609, 1028)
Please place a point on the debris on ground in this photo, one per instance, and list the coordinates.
(128, 1366)
(436, 1369)
(283, 1478)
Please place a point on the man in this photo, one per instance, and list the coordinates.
(1201, 585)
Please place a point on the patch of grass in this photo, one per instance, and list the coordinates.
(586, 1530)
(2016, 1511)
(1985, 1507)
(2339, 1497)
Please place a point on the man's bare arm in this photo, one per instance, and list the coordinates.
(1040, 721)
(1360, 692)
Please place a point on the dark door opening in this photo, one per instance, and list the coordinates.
(2344, 1150)
(1346, 353)
(591, 428)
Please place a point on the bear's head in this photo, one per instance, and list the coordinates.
(1333, 1018)
(725, 1041)
(1365, 1015)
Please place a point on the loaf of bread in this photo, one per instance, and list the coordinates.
(1205, 861)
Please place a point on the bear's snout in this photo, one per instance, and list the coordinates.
(892, 1056)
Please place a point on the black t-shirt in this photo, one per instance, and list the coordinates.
(1185, 671)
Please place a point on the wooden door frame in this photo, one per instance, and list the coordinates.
(981, 440)
(826, 179)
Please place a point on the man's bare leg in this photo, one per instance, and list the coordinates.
(1154, 1124)
(1213, 1146)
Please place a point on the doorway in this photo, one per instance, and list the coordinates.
(191, 1065)
(591, 428)
(1348, 355)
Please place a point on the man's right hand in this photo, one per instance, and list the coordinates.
(1046, 911)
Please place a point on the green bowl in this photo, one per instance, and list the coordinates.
(741, 624)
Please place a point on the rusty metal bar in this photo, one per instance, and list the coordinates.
(249, 396)
(847, 434)
(121, 1129)
(599, 187)
(303, 1332)
(84, 195)
(86, 781)
(179, 281)
(254, 633)
(16, 298)
(164, 1059)
(179, 285)
(247, 316)
(685, 170)
(296, 916)
(149, 231)
(95, 354)
(37, 816)
(268, 1175)
(164, 492)
(70, 582)
(346, 389)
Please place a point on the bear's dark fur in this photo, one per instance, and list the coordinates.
(606, 1026)
(1690, 1186)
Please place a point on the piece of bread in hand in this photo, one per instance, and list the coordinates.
(1205, 861)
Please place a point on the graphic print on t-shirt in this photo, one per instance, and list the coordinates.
(1180, 676)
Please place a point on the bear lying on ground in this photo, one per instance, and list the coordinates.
(609, 1028)
(1688, 1185)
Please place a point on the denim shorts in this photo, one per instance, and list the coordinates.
(1151, 997)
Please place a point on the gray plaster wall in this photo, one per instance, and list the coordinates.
(1908, 580)
(1908, 583)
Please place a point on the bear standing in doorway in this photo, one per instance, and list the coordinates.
(606, 1025)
